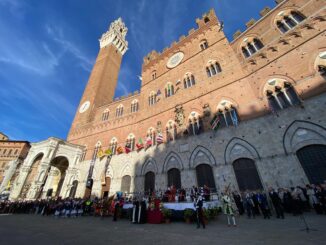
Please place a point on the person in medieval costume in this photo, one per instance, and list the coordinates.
(142, 212)
(228, 208)
(135, 210)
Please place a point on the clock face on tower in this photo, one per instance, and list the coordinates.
(84, 107)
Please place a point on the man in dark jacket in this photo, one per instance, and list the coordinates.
(199, 212)
(276, 200)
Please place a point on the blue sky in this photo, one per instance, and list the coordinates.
(48, 49)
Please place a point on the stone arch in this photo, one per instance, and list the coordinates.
(41, 175)
(239, 148)
(201, 155)
(149, 165)
(126, 170)
(172, 160)
(109, 172)
(34, 158)
(302, 133)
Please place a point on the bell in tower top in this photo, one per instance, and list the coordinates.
(116, 35)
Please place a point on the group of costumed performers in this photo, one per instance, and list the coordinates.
(68, 208)
(174, 195)
(203, 191)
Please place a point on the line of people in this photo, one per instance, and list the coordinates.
(295, 200)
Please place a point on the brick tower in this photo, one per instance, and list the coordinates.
(103, 79)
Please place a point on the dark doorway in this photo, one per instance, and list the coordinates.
(205, 176)
(149, 182)
(313, 161)
(174, 178)
(246, 174)
(125, 183)
(73, 189)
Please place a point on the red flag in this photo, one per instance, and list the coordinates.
(140, 145)
(128, 148)
(149, 142)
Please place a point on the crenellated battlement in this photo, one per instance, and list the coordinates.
(154, 56)
(123, 97)
(252, 22)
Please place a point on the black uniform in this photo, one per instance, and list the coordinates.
(199, 212)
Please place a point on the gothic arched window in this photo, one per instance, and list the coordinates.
(287, 20)
(189, 80)
(105, 115)
(171, 130)
(152, 98)
(134, 106)
(195, 125)
(169, 90)
(113, 145)
(119, 111)
(203, 45)
(213, 68)
(152, 134)
(153, 75)
(227, 115)
(251, 46)
(281, 94)
(96, 149)
(130, 141)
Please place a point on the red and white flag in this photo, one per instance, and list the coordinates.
(159, 138)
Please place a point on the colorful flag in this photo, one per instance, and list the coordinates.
(140, 144)
(120, 150)
(128, 147)
(159, 138)
(215, 123)
(100, 153)
(108, 152)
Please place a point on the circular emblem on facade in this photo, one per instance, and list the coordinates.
(84, 107)
(175, 60)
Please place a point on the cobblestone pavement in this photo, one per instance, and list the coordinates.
(31, 229)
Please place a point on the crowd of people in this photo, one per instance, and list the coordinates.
(295, 200)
